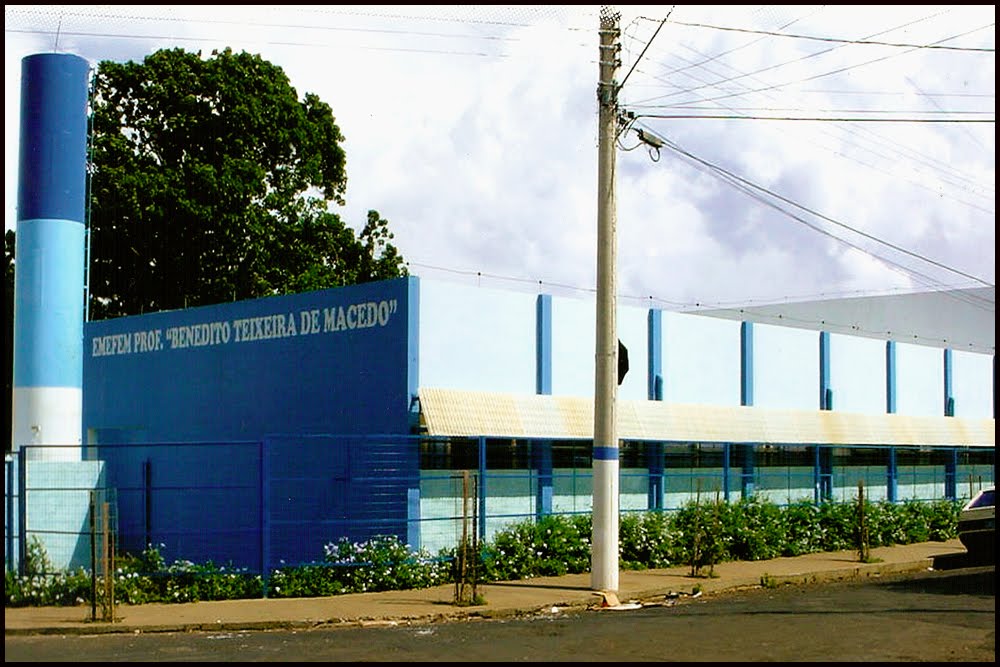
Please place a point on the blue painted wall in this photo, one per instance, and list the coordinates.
(331, 361)
(230, 401)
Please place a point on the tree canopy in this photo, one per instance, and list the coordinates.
(213, 181)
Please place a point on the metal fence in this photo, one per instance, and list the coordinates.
(279, 502)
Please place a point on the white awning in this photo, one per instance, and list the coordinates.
(447, 412)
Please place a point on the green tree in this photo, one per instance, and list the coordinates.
(213, 181)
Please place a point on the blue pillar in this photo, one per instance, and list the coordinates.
(543, 344)
(654, 392)
(747, 476)
(746, 363)
(541, 450)
(951, 475)
(825, 392)
(541, 458)
(892, 477)
(654, 338)
(825, 463)
(746, 398)
(49, 285)
(890, 377)
(654, 462)
(949, 397)
(817, 495)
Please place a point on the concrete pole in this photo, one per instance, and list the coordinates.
(604, 538)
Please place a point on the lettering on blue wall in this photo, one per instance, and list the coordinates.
(248, 329)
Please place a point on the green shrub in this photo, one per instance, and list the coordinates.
(145, 577)
(552, 545)
(941, 517)
(701, 534)
(803, 528)
(698, 534)
(645, 540)
(755, 529)
(837, 529)
(380, 563)
(41, 585)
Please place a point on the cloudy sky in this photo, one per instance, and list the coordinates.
(807, 151)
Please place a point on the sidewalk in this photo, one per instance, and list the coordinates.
(543, 595)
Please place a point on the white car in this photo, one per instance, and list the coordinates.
(977, 525)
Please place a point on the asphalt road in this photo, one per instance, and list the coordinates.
(933, 616)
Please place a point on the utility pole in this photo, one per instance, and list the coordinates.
(604, 537)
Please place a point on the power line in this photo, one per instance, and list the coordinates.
(743, 184)
(695, 107)
(845, 41)
(878, 138)
(859, 119)
(65, 33)
(809, 56)
(718, 56)
(885, 92)
(822, 75)
(658, 28)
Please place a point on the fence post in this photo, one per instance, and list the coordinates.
(107, 563)
(22, 510)
(481, 487)
(92, 517)
(863, 551)
(466, 570)
(263, 507)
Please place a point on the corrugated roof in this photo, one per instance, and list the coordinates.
(449, 412)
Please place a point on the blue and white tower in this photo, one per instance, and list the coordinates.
(50, 257)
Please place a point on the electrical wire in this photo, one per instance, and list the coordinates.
(645, 48)
(839, 70)
(864, 42)
(898, 148)
(856, 119)
(748, 187)
(810, 56)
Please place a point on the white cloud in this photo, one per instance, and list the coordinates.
(473, 130)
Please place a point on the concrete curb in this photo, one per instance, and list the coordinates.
(544, 597)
